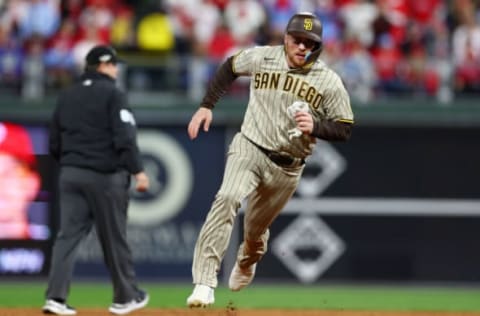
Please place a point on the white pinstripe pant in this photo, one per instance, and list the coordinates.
(248, 174)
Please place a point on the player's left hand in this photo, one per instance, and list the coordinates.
(304, 122)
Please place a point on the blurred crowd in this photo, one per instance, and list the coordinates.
(425, 48)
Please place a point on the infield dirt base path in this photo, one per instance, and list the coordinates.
(231, 312)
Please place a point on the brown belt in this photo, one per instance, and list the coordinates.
(280, 159)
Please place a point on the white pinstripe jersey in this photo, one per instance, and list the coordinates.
(274, 86)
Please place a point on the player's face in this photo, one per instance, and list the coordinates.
(19, 186)
(297, 49)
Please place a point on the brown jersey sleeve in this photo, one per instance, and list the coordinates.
(332, 130)
(220, 83)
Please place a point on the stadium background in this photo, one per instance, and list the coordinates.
(396, 206)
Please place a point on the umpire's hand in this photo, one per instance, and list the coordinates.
(142, 182)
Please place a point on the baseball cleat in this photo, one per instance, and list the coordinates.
(57, 308)
(125, 308)
(202, 296)
(240, 278)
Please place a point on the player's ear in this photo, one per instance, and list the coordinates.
(32, 184)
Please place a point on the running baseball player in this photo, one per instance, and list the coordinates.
(294, 99)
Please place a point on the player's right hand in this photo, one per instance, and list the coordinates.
(202, 116)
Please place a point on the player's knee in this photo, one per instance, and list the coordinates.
(228, 201)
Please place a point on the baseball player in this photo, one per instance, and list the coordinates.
(294, 99)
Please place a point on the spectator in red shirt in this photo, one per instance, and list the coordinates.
(59, 61)
(389, 65)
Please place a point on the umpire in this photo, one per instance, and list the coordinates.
(93, 137)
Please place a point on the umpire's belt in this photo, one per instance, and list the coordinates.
(281, 159)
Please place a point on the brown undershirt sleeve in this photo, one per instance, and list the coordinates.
(332, 131)
(220, 83)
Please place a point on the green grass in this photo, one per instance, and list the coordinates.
(262, 296)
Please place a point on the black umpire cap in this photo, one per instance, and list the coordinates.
(102, 54)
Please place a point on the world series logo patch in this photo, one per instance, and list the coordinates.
(308, 24)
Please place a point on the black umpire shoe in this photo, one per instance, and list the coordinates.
(125, 308)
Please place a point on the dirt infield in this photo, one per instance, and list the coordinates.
(232, 312)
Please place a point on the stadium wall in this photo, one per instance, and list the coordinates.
(399, 202)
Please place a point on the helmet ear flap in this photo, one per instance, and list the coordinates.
(315, 53)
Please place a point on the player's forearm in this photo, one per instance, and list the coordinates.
(332, 131)
(220, 83)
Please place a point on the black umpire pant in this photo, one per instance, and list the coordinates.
(89, 198)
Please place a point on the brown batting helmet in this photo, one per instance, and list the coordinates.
(306, 24)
